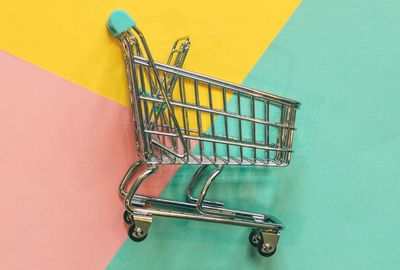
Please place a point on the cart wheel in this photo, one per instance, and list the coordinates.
(127, 217)
(265, 249)
(135, 233)
(255, 237)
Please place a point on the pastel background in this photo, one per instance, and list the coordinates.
(65, 137)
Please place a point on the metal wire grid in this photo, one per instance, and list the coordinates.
(221, 122)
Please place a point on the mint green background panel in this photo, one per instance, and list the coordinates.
(340, 196)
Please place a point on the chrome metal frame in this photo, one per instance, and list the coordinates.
(161, 108)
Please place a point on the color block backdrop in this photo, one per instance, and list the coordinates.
(65, 137)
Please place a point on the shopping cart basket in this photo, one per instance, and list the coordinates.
(182, 117)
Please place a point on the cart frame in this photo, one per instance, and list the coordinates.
(164, 135)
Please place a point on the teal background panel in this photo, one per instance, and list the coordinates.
(339, 198)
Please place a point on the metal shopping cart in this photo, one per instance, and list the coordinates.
(182, 117)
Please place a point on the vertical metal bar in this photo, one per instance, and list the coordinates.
(226, 123)
(240, 127)
(212, 122)
(278, 155)
(285, 136)
(253, 128)
(198, 117)
(267, 128)
(158, 122)
(143, 90)
(163, 119)
(152, 88)
(174, 139)
(292, 117)
(185, 113)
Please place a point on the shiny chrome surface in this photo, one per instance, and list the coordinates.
(175, 109)
(182, 117)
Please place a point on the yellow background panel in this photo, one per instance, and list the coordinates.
(70, 39)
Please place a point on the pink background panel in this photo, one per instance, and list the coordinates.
(63, 152)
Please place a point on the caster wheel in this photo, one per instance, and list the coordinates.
(127, 217)
(135, 233)
(255, 237)
(265, 249)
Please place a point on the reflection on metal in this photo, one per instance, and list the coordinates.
(182, 117)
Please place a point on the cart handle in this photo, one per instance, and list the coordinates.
(119, 22)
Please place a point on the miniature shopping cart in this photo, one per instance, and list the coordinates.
(182, 117)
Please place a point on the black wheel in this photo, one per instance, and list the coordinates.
(127, 217)
(255, 237)
(135, 233)
(265, 249)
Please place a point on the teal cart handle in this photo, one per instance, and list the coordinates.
(119, 21)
